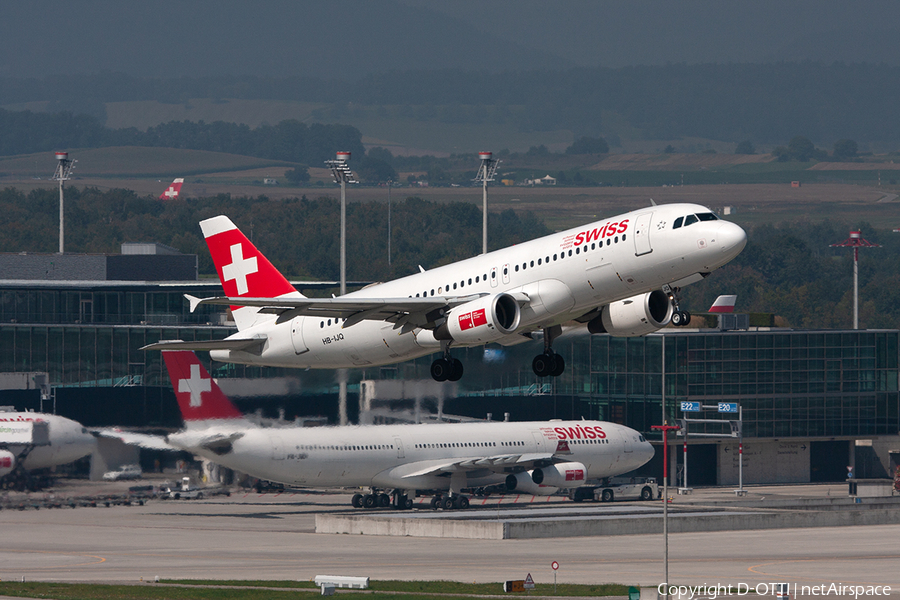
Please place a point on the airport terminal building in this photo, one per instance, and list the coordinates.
(813, 402)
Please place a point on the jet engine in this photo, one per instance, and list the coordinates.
(479, 321)
(523, 482)
(569, 474)
(638, 315)
(7, 462)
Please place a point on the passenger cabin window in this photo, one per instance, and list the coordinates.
(690, 220)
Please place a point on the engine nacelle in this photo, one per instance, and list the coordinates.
(569, 474)
(524, 483)
(638, 315)
(7, 462)
(479, 321)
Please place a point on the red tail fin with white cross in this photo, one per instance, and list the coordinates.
(199, 397)
(243, 270)
(172, 191)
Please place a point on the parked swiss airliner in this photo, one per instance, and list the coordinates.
(395, 460)
(619, 276)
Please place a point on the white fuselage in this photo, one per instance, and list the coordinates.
(424, 456)
(69, 440)
(565, 275)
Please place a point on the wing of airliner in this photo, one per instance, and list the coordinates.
(132, 438)
(498, 463)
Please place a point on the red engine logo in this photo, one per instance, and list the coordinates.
(574, 474)
(472, 319)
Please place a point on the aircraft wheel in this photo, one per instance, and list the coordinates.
(559, 365)
(441, 369)
(462, 502)
(447, 503)
(357, 501)
(607, 495)
(677, 318)
(384, 500)
(646, 494)
(687, 319)
(406, 502)
(542, 365)
(370, 501)
(456, 370)
(435, 502)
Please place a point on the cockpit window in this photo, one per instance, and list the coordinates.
(707, 217)
(690, 220)
(678, 222)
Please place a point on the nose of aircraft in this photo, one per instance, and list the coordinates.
(731, 239)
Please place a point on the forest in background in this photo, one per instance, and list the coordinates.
(762, 103)
(788, 269)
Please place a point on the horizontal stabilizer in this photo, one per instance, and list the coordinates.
(246, 344)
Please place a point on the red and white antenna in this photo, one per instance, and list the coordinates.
(856, 242)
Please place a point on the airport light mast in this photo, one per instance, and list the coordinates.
(856, 242)
(63, 172)
(342, 174)
(486, 173)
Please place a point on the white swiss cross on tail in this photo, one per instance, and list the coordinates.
(195, 386)
(239, 268)
(172, 191)
(243, 270)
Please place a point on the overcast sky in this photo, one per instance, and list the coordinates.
(349, 39)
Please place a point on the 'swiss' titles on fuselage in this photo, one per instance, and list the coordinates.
(618, 276)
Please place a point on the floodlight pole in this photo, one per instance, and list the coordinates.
(856, 242)
(390, 183)
(63, 171)
(342, 174)
(485, 174)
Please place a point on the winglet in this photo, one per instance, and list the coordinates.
(723, 304)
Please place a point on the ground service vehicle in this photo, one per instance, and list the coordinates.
(635, 488)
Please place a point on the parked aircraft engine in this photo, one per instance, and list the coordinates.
(569, 474)
(524, 483)
(7, 462)
(638, 315)
(480, 321)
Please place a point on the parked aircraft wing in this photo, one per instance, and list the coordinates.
(474, 463)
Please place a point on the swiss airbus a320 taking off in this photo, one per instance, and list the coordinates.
(529, 457)
(619, 276)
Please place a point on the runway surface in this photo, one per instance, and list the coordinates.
(253, 536)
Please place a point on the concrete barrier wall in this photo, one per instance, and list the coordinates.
(553, 528)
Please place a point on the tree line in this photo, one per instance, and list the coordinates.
(25, 132)
(763, 103)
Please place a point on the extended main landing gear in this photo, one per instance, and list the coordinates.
(449, 502)
(680, 318)
(549, 363)
(446, 368)
(397, 499)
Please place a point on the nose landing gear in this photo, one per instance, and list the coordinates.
(680, 318)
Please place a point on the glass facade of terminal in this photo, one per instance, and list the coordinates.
(788, 383)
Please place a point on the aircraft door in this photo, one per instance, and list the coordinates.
(399, 444)
(642, 234)
(506, 274)
(300, 346)
(629, 443)
(540, 444)
(277, 447)
(494, 281)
